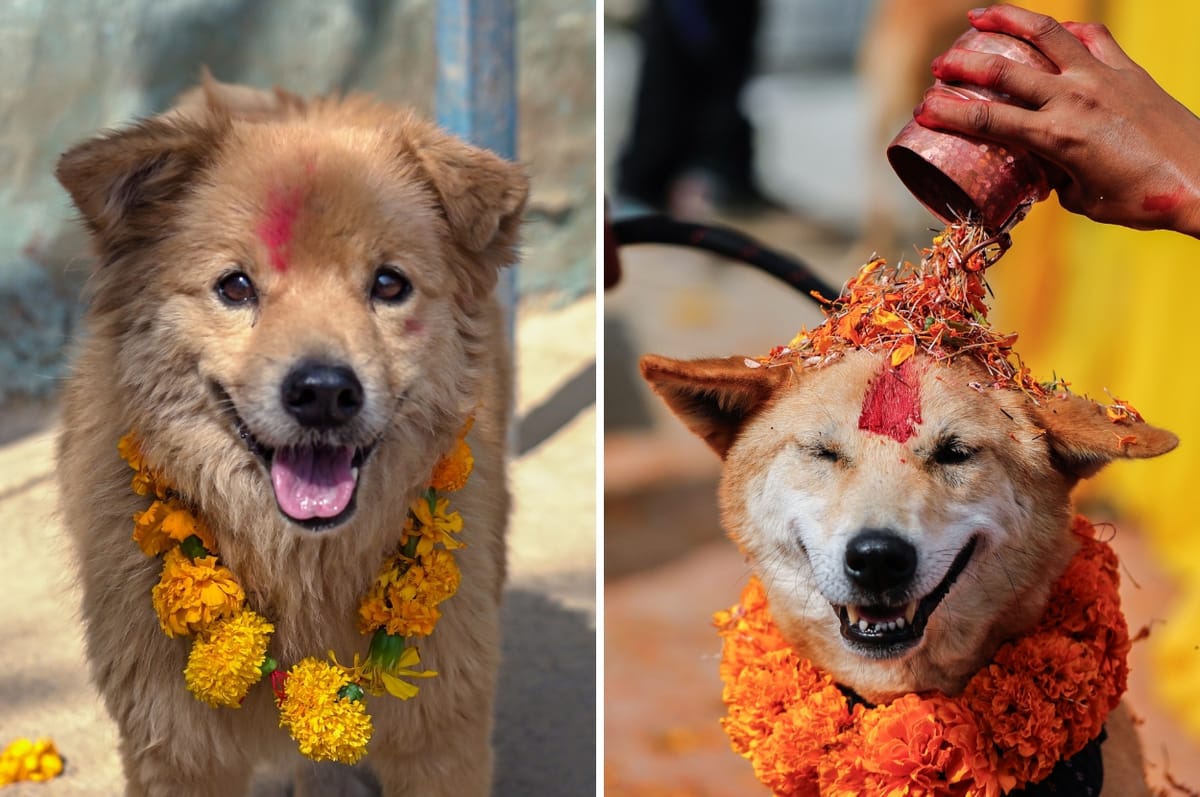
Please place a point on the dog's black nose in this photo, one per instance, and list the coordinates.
(878, 560)
(321, 395)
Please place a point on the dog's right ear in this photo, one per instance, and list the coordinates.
(122, 180)
(714, 397)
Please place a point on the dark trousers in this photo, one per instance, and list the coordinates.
(698, 55)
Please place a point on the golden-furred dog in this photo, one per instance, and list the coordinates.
(292, 308)
(905, 522)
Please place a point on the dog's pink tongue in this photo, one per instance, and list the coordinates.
(313, 481)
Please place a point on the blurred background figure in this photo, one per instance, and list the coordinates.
(691, 146)
(1101, 306)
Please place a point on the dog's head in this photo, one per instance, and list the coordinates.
(904, 521)
(296, 289)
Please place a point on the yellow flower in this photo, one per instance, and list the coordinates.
(26, 760)
(391, 679)
(453, 470)
(440, 575)
(146, 481)
(404, 597)
(226, 660)
(190, 596)
(432, 526)
(165, 523)
(325, 726)
(412, 618)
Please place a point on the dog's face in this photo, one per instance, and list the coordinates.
(304, 291)
(905, 521)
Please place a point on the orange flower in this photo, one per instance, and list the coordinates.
(190, 596)
(1042, 699)
(165, 523)
(453, 470)
(935, 306)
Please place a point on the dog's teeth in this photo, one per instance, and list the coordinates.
(910, 611)
(852, 615)
(863, 625)
(900, 622)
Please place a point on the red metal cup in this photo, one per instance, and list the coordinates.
(957, 176)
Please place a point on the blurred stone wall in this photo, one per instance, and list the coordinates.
(71, 67)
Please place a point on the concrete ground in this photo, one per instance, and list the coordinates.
(545, 735)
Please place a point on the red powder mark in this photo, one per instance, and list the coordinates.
(892, 405)
(413, 326)
(1162, 203)
(276, 228)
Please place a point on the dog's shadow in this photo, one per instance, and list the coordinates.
(545, 735)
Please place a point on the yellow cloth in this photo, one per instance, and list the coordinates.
(1111, 308)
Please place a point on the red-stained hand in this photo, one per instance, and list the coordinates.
(1128, 151)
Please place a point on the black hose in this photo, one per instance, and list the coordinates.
(723, 241)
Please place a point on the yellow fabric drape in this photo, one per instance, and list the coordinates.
(1111, 308)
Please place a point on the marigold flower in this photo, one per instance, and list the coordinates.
(453, 470)
(433, 525)
(190, 596)
(226, 659)
(326, 727)
(404, 597)
(165, 523)
(25, 760)
(145, 480)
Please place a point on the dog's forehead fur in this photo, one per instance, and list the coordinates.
(293, 197)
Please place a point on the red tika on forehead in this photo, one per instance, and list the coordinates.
(892, 406)
(276, 228)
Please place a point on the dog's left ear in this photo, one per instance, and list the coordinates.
(124, 181)
(482, 195)
(715, 397)
(1083, 438)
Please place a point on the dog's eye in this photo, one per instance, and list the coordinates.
(236, 288)
(952, 452)
(390, 286)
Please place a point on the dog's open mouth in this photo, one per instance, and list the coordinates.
(315, 485)
(885, 631)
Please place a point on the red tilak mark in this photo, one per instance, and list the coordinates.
(413, 326)
(276, 228)
(1162, 203)
(892, 405)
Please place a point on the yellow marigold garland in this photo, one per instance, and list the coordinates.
(26, 760)
(227, 657)
(327, 720)
(321, 704)
(1041, 700)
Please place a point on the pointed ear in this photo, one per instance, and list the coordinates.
(714, 397)
(122, 180)
(1083, 439)
(482, 195)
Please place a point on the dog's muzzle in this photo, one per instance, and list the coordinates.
(882, 564)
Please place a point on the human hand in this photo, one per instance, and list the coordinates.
(1128, 152)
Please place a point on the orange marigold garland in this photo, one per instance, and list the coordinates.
(1041, 700)
(321, 704)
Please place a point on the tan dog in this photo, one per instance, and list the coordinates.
(292, 308)
(903, 529)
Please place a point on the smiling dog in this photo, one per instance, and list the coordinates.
(293, 310)
(905, 520)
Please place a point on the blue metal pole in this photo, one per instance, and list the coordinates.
(477, 89)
